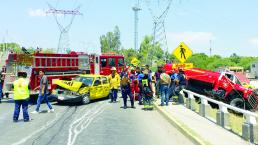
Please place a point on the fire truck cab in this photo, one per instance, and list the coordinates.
(103, 63)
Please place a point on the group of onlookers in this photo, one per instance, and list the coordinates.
(142, 83)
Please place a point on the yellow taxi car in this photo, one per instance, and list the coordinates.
(83, 88)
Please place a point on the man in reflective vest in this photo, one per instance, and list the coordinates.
(21, 96)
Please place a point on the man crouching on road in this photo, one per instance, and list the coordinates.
(21, 96)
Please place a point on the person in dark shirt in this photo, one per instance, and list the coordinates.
(1, 85)
(126, 90)
(157, 80)
(43, 93)
(181, 82)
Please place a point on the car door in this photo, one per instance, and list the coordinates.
(96, 89)
(106, 86)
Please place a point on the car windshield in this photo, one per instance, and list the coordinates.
(85, 80)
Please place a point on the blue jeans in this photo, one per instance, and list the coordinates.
(172, 89)
(18, 104)
(1, 91)
(113, 95)
(40, 99)
(164, 94)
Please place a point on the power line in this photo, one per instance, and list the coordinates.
(63, 44)
(159, 30)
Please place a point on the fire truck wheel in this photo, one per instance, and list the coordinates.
(237, 102)
(85, 99)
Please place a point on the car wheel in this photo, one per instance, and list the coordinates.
(85, 99)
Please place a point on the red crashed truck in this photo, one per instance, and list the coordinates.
(224, 86)
(57, 66)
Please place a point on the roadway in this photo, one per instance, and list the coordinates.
(98, 123)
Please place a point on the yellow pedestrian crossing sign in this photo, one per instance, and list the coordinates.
(182, 52)
(135, 61)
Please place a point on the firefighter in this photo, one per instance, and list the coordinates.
(21, 96)
(134, 84)
(43, 93)
(140, 76)
(147, 90)
(114, 80)
(126, 90)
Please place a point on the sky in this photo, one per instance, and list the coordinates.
(231, 25)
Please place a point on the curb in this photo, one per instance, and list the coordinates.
(185, 130)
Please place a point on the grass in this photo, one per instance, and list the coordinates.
(213, 113)
(236, 122)
(197, 107)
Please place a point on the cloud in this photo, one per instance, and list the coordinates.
(254, 41)
(37, 13)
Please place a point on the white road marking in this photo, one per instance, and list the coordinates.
(39, 130)
(82, 123)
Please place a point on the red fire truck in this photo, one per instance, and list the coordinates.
(57, 66)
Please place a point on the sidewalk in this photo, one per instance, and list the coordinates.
(199, 129)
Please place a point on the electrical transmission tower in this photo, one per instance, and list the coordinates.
(63, 44)
(159, 30)
(136, 10)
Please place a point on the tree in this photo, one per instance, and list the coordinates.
(235, 58)
(129, 54)
(150, 53)
(200, 60)
(111, 41)
(11, 47)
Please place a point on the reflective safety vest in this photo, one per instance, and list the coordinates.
(145, 82)
(21, 89)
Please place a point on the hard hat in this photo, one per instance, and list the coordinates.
(113, 68)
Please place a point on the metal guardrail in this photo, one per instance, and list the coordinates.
(251, 116)
(249, 127)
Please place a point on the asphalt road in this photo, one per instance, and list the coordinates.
(98, 123)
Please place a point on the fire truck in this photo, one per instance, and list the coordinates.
(223, 86)
(57, 66)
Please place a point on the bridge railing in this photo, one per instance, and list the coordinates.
(249, 126)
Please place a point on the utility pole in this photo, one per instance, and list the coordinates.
(136, 10)
(210, 48)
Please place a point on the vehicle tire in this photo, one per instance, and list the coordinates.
(85, 99)
(237, 102)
